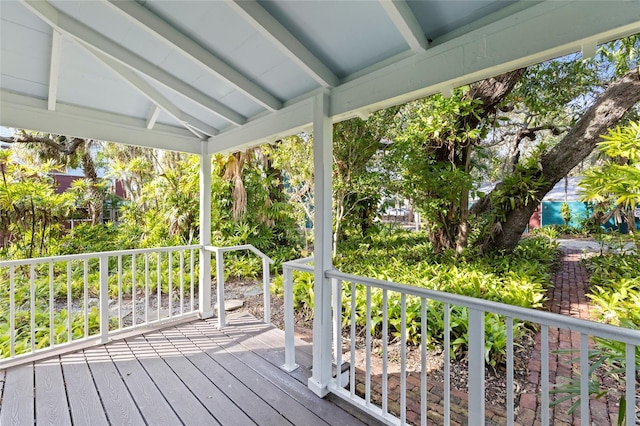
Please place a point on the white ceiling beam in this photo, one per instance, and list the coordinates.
(23, 112)
(447, 91)
(496, 48)
(155, 25)
(589, 50)
(406, 22)
(288, 121)
(54, 70)
(268, 26)
(531, 36)
(154, 112)
(81, 32)
(145, 89)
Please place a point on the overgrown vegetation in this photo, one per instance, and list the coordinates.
(50, 297)
(405, 257)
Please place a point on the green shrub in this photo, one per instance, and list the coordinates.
(518, 279)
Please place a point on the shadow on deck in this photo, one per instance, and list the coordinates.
(190, 373)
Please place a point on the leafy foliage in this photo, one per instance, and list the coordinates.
(30, 209)
(429, 160)
(615, 185)
(519, 279)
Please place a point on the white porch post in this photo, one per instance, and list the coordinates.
(204, 287)
(322, 163)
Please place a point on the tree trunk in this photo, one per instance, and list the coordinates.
(454, 229)
(96, 195)
(463, 227)
(608, 109)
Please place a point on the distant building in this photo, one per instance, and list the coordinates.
(565, 191)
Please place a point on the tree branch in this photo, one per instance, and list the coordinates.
(608, 109)
(24, 137)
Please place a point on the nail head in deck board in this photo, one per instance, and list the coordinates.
(51, 404)
(117, 401)
(17, 402)
(84, 401)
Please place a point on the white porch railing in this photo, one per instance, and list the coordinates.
(266, 279)
(58, 304)
(477, 309)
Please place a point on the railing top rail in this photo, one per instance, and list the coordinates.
(301, 264)
(301, 261)
(591, 328)
(81, 256)
(250, 247)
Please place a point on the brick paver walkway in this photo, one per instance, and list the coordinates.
(566, 297)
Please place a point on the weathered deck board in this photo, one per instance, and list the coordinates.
(84, 401)
(268, 339)
(274, 396)
(184, 403)
(51, 404)
(213, 398)
(118, 404)
(269, 344)
(191, 373)
(17, 402)
(294, 388)
(149, 400)
(253, 405)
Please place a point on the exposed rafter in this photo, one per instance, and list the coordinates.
(153, 24)
(54, 69)
(481, 53)
(81, 32)
(488, 51)
(406, 23)
(287, 121)
(261, 20)
(28, 113)
(154, 96)
(154, 112)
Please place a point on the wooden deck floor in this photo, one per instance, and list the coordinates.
(191, 374)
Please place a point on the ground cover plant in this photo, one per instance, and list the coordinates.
(41, 304)
(405, 257)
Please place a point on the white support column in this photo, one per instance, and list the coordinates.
(322, 163)
(204, 287)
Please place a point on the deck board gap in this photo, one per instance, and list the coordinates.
(271, 393)
(194, 345)
(164, 361)
(137, 361)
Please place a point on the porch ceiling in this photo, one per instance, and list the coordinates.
(168, 74)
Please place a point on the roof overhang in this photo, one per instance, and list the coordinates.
(169, 74)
